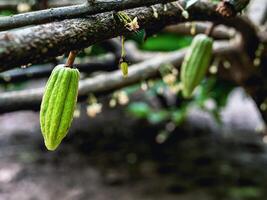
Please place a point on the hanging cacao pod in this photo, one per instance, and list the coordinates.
(58, 104)
(196, 63)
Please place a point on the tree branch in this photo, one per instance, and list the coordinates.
(7, 5)
(106, 83)
(68, 12)
(37, 44)
(219, 33)
(13, 5)
(108, 62)
(256, 83)
(257, 12)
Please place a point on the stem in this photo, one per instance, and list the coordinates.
(71, 59)
(123, 52)
(68, 12)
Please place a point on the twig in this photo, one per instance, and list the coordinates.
(107, 63)
(68, 12)
(105, 83)
(13, 5)
(71, 59)
(209, 31)
(7, 5)
(220, 32)
(37, 44)
(257, 12)
(256, 84)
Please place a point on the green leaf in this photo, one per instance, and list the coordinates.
(6, 13)
(178, 116)
(166, 42)
(157, 117)
(139, 109)
(245, 192)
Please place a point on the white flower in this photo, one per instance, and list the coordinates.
(133, 25)
(123, 98)
(94, 109)
(23, 7)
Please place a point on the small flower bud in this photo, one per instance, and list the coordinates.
(124, 68)
(185, 14)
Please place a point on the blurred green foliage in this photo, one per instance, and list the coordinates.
(161, 42)
(166, 42)
(97, 50)
(243, 193)
(6, 13)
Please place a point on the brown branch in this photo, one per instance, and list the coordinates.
(13, 5)
(257, 12)
(71, 59)
(37, 44)
(219, 33)
(108, 62)
(7, 5)
(69, 12)
(256, 83)
(105, 83)
(210, 29)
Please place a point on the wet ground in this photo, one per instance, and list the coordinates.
(103, 159)
(28, 171)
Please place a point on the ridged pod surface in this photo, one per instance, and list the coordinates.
(196, 63)
(58, 104)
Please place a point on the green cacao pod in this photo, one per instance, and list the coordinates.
(196, 63)
(58, 105)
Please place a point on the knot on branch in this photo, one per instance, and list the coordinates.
(225, 9)
(230, 8)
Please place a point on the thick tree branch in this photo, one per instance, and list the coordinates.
(257, 12)
(105, 83)
(220, 32)
(256, 83)
(68, 12)
(7, 5)
(108, 62)
(37, 44)
(12, 5)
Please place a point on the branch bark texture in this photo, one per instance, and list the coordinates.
(40, 43)
(53, 14)
(105, 83)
